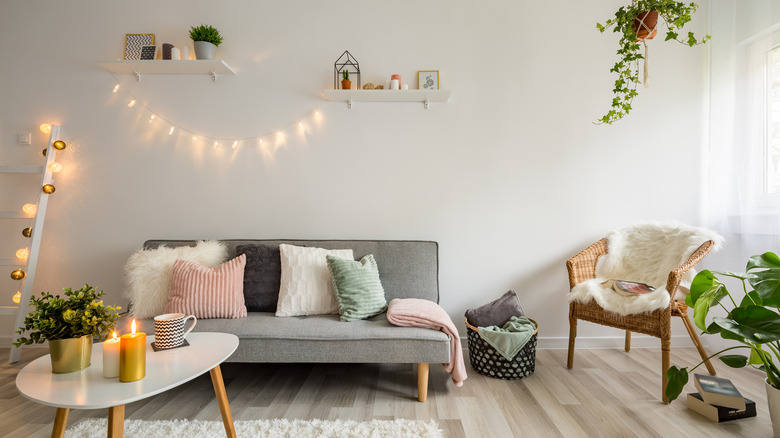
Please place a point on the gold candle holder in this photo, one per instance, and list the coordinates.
(132, 356)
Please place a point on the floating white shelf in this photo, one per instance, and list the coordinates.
(168, 67)
(424, 96)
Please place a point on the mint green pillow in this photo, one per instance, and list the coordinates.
(358, 289)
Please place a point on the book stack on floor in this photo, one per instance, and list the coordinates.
(719, 400)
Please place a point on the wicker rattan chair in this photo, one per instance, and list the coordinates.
(582, 267)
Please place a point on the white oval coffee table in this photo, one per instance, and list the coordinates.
(88, 389)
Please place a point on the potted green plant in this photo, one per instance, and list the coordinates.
(636, 23)
(69, 324)
(206, 40)
(753, 322)
(346, 84)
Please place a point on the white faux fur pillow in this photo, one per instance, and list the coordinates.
(148, 273)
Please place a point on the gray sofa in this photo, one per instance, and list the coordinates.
(408, 269)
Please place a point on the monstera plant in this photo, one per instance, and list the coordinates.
(637, 23)
(753, 322)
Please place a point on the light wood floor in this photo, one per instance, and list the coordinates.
(609, 393)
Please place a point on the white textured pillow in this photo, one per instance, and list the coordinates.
(306, 287)
(148, 273)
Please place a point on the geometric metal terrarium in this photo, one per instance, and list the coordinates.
(345, 62)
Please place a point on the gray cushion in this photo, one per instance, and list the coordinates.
(261, 276)
(497, 312)
(323, 338)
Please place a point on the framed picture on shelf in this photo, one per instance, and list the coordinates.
(147, 52)
(428, 79)
(134, 42)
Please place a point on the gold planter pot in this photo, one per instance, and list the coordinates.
(70, 355)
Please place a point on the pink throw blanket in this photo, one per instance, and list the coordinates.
(415, 312)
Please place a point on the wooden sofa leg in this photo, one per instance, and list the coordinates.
(422, 382)
(572, 336)
(628, 340)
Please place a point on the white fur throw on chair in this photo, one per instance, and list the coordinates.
(645, 253)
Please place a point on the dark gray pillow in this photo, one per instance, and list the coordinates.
(262, 276)
(497, 312)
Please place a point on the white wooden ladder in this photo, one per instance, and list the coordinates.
(29, 265)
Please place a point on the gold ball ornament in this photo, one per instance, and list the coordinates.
(59, 145)
(44, 152)
(48, 189)
(18, 274)
(27, 232)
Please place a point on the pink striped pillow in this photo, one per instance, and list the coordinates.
(208, 292)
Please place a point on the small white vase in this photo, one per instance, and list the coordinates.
(773, 400)
(205, 50)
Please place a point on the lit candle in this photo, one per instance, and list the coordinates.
(111, 357)
(132, 356)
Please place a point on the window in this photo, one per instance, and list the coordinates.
(772, 139)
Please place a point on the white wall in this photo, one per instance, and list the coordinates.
(511, 176)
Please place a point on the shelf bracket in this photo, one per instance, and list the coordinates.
(213, 77)
(349, 103)
(426, 103)
(137, 76)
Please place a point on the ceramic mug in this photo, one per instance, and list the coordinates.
(169, 329)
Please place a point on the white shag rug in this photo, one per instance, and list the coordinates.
(276, 428)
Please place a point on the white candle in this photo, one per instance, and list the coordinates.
(175, 54)
(185, 53)
(111, 357)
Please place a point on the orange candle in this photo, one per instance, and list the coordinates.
(132, 356)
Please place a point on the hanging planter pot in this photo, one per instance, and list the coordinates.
(636, 23)
(645, 25)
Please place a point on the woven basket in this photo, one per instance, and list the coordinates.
(486, 360)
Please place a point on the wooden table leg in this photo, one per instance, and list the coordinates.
(116, 421)
(224, 407)
(60, 422)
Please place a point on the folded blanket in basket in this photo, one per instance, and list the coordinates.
(415, 312)
(511, 338)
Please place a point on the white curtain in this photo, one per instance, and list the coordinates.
(740, 203)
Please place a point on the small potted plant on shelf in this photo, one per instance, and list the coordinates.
(753, 322)
(346, 84)
(637, 23)
(69, 324)
(206, 40)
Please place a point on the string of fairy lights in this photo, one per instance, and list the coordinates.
(264, 141)
(22, 254)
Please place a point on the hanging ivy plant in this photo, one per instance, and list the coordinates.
(627, 21)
